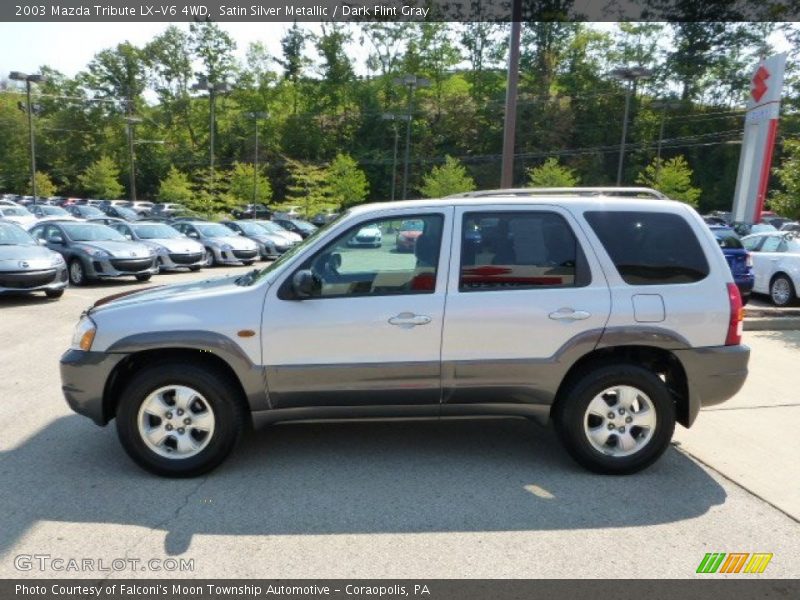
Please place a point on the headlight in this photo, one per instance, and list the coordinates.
(84, 334)
(162, 250)
(57, 260)
(95, 252)
(226, 247)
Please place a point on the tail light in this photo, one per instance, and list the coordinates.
(735, 321)
(748, 261)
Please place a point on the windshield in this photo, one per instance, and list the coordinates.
(412, 226)
(13, 211)
(251, 228)
(304, 225)
(92, 232)
(155, 231)
(126, 212)
(91, 212)
(53, 210)
(213, 230)
(271, 227)
(12, 235)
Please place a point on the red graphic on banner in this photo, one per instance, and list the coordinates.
(759, 84)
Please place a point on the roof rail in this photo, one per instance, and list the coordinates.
(633, 192)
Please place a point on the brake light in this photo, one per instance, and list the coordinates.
(748, 261)
(735, 321)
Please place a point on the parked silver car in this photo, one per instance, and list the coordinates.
(223, 247)
(27, 267)
(174, 250)
(270, 245)
(94, 251)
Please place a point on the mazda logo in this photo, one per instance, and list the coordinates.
(23, 264)
(133, 253)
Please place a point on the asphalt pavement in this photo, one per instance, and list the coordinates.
(463, 498)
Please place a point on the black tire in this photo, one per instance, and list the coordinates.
(77, 272)
(195, 268)
(571, 408)
(785, 281)
(144, 277)
(247, 263)
(211, 260)
(217, 389)
(54, 293)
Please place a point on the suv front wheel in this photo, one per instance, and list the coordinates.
(616, 419)
(179, 419)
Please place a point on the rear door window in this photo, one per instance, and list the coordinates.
(650, 248)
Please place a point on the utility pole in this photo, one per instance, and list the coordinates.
(662, 105)
(630, 75)
(512, 81)
(256, 116)
(412, 82)
(203, 84)
(29, 79)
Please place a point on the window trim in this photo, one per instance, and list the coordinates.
(285, 292)
(583, 271)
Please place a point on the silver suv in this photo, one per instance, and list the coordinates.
(614, 317)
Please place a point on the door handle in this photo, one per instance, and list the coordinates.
(569, 314)
(406, 320)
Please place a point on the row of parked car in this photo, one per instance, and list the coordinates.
(55, 252)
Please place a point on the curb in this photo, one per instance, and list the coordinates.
(772, 323)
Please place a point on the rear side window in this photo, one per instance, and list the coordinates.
(650, 248)
(519, 250)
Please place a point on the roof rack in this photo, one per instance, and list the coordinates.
(631, 192)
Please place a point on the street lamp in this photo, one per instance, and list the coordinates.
(663, 106)
(29, 79)
(203, 84)
(256, 116)
(412, 82)
(630, 75)
(394, 118)
(129, 123)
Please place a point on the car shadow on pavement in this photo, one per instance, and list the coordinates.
(343, 478)
(789, 338)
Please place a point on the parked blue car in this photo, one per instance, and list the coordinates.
(738, 258)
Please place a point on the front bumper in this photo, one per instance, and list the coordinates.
(234, 257)
(365, 242)
(714, 374)
(84, 376)
(34, 281)
(109, 268)
(174, 261)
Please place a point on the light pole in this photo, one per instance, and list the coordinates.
(256, 116)
(29, 79)
(394, 118)
(130, 122)
(412, 82)
(663, 106)
(630, 75)
(203, 84)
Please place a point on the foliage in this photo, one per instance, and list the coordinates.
(210, 195)
(308, 189)
(347, 183)
(673, 178)
(444, 180)
(240, 184)
(786, 202)
(175, 187)
(101, 179)
(552, 174)
(44, 185)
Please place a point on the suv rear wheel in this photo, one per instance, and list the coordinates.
(179, 419)
(616, 419)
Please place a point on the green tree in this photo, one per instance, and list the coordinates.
(118, 74)
(672, 177)
(175, 187)
(240, 184)
(449, 178)
(552, 174)
(101, 179)
(210, 195)
(786, 202)
(308, 188)
(44, 185)
(347, 183)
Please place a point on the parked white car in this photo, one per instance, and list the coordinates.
(17, 214)
(776, 264)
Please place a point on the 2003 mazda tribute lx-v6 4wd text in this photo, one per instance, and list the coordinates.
(613, 316)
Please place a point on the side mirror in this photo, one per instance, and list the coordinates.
(56, 239)
(41, 241)
(129, 236)
(305, 284)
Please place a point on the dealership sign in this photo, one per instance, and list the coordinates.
(760, 129)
